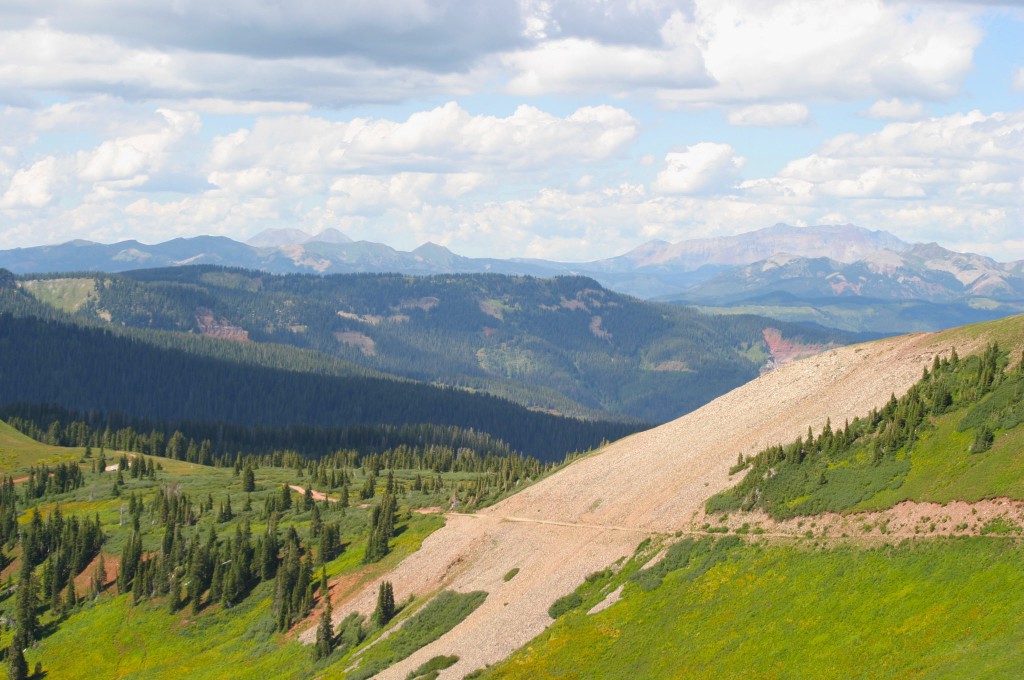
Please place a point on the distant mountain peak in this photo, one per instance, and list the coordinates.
(274, 238)
(330, 235)
(431, 250)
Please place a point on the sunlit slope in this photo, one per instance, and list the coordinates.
(18, 452)
(656, 480)
(598, 509)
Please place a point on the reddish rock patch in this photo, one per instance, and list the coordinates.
(219, 328)
(787, 351)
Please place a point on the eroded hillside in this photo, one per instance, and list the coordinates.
(598, 509)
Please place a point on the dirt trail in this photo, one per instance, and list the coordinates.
(598, 509)
(317, 495)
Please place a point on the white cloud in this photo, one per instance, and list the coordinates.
(136, 157)
(770, 115)
(896, 109)
(255, 57)
(833, 49)
(32, 187)
(249, 108)
(946, 159)
(702, 168)
(1018, 80)
(575, 65)
(370, 195)
(447, 138)
(421, 33)
(40, 60)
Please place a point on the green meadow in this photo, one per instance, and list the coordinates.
(934, 609)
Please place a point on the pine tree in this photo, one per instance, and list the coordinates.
(385, 610)
(174, 601)
(325, 631)
(25, 622)
(99, 579)
(248, 479)
(17, 667)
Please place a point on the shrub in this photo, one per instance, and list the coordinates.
(429, 670)
(564, 605)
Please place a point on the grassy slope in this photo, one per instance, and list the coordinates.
(935, 609)
(110, 638)
(18, 452)
(113, 639)
(942, 469)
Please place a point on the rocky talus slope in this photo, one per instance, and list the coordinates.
(598, 509)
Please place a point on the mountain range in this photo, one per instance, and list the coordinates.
(873, 280)
(562, 345)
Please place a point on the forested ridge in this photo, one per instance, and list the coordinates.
(563, 344)
(93, 370)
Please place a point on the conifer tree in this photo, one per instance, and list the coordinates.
(248, 479)
(17, 667)
(385, 610)
(99, 578)
(325, 631)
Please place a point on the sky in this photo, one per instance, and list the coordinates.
(570, 129)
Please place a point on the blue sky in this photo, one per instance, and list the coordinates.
(568, 130)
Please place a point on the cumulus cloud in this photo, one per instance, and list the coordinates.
(41, 60)
(134, 158)
(370, 195)
(574, 64)
(840, 49)
(447, 138)
(896, 109)
(1018, 80)
(702, 168)
(441, 36)
(32, 187)
(311, 53)
(961, 154)
(770, 115)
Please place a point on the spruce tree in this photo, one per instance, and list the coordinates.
(248, 479)
(25, 608)
(17, 667)
(325, 631)
(99, 579)
(385, 610)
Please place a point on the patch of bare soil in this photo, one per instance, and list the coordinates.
(424, 303)
(995, 517)
(219, 327)
(597, 330)
(492, 308)
(787, 351)
(111, 565)
(362, 341)
(599, 508)
(432, 510)
(672, 366)
(317, 495)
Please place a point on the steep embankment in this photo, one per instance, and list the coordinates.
(598, 509)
